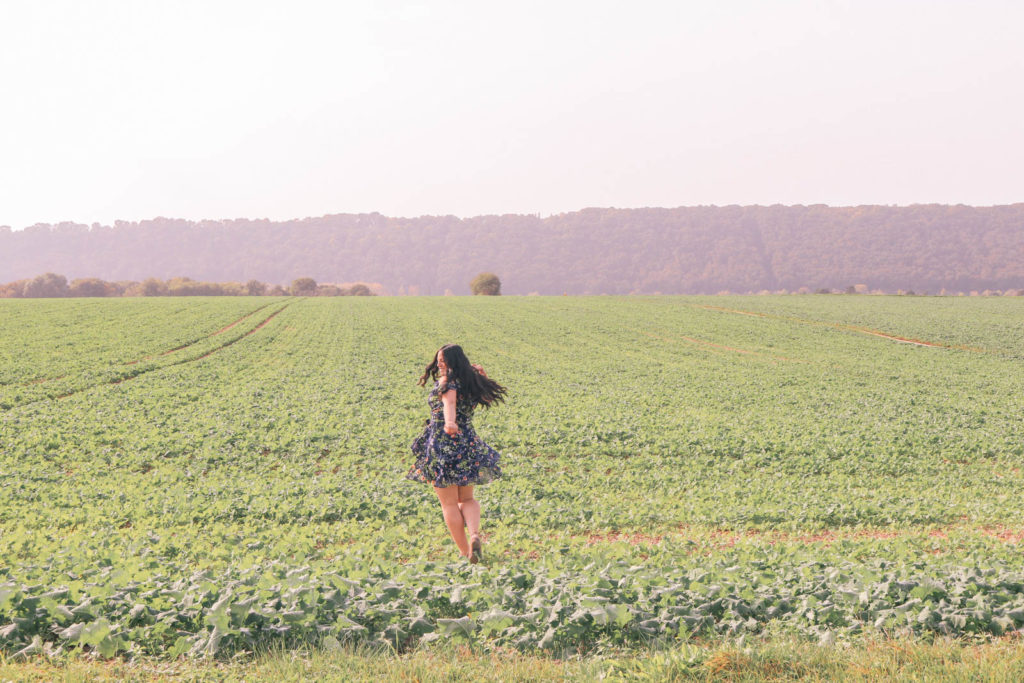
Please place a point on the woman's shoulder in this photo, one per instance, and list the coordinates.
(445, 385)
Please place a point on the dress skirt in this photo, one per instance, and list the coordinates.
(461, 460)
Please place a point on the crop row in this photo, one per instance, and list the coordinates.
(611, 605)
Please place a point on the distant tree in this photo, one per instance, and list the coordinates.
(255, 288)
(151, 287)
(182, 286)
(13, 290)
(92, 286)
(303, 286)
(46, 285)
(359, 289)
(485, 284)
(330, 290)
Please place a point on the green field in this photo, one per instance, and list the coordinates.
(215, 476)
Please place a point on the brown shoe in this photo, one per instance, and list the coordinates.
(475, 554)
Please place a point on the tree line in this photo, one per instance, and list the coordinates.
(687, 250)
(53, 285)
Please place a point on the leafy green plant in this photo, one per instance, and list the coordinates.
(203, 477)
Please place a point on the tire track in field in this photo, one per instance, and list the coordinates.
(44, 380)
(209, 353)
(39, 380)
(723, 347)
(120, 380)
(199, 339)
(902, 340)
(240, 337)
(848, 328)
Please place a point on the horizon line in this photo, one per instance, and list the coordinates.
(9, 228)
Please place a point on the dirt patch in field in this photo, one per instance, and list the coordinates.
(850, 328)
(727, 538)
(720, 538)
(902, 340)
(42, 380)
(1005, 534)
(733, 310)
(632, 539)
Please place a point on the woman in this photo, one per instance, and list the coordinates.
(449, 454)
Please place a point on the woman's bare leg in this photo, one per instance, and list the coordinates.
(470, 508)
(449, 497)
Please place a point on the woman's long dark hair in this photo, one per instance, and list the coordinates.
(473, 386)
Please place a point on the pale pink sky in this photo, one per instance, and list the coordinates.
(214, 109)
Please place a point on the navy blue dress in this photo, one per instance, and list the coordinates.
(461, 460)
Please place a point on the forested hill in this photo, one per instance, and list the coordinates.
(593, 251)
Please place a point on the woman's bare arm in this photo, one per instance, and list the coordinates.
(448, 402)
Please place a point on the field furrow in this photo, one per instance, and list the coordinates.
(116, 374)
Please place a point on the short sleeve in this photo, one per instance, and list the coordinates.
(453, 385)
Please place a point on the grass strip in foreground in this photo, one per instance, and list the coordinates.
(868, 660)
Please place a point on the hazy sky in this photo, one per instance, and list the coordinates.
(215, 109)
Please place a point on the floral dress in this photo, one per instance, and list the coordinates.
(460, 460)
